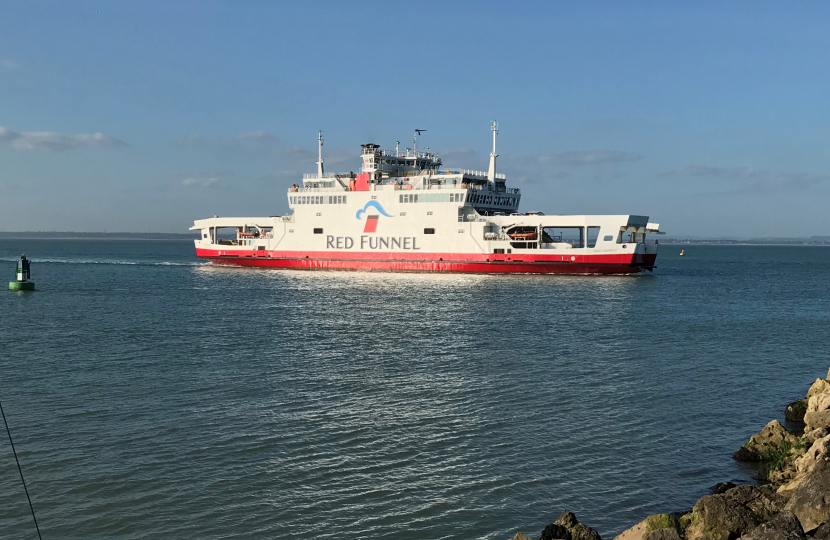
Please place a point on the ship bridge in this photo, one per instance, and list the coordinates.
(411, 170)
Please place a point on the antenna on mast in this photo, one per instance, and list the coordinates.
(320, 154)
(415, 141)
(491, 174)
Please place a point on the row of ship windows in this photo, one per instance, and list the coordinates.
(318, 199)
(474, 198)
(430, 197)
(477, 198)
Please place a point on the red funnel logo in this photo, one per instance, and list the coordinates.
(371, 224)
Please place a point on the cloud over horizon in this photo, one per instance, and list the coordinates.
(200, 181)
(260, 144)
(589, 157)
(58, 142)
(747, 180)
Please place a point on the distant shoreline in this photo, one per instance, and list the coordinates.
(66, 235)
(732, 244)
(793, 243)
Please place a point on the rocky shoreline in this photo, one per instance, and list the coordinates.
(793, 502)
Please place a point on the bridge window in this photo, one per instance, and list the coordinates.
(593, 235)
(626, 236)
(429, 231)
(318, 231)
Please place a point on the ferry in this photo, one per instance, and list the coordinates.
(403, 212)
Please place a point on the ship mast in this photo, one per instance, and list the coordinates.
(491, 174)
(320, 154)
(415, 145)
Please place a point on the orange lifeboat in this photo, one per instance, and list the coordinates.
(523, 236)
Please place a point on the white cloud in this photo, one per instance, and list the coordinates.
(8, 64)
(749, 180)
(261, 144)
(200, 181)
(50, 140)
(256, 135)
(590, 157)
(7, 135)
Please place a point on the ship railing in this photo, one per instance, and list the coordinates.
(406, 154)
(483, 174)
(318, 189)
(351, 174)
(448, 172)
(314, 176)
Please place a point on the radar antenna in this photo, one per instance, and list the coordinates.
(320, 154)
(415, 141)
(491, 174)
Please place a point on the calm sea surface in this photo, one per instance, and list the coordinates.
(153, 396)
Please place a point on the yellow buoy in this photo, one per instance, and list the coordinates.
(681, 252)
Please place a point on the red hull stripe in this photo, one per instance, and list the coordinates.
(435, 262)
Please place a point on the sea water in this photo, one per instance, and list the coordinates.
(151, 395)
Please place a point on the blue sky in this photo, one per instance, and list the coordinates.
(712, 118)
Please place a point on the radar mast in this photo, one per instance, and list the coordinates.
(320, 154)
(491, 174)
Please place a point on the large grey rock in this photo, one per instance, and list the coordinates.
(584, 532)
(795, 411)
(637, 532)
(818, 387)
(555, 532)
(819, 402)
(736, 512)
(567, 520)
(784, 526)
(818, 452)
(810, 500)
(662, 534)
(722, 487)
(816, 420)
(652, 524)
(567, 527)
(811, 436)
(764, 442)
(823, 532)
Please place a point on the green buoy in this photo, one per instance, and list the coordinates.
(24, 272)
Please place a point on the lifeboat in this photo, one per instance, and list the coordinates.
(523, 236)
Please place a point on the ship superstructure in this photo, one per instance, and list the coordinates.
(403, 212)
